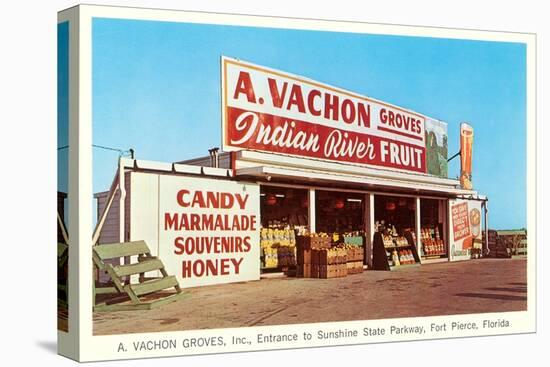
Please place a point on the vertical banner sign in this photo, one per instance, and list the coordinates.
(466, 227)
(466, 147)
(209, 230)
(272, 111)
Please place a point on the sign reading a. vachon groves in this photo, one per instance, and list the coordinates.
(209, 230)
(272, 111)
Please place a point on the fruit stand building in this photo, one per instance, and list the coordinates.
(299, 157)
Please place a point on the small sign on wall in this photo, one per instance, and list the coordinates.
(466, 224)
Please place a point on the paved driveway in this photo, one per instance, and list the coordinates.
(486, 285)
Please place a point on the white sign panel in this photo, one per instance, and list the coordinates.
(205, 231)
(209, 230)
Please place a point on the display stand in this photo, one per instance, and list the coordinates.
(433, 247)
(382, 254)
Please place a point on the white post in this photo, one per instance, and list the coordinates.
(369, 227)
(486, 228)
(122, 198)
(121, 211)
(444, 218)
(311, 210)
(418, 228)
(451, 234)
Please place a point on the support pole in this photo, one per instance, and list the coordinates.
(450, 245)
(486, 227)
(418, 228)
(311, 210)
(122, 200)
(369, 228)
(454, 156)
(121, 208)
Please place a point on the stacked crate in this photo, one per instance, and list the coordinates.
(329, 263)
(305, 245)
(354, 246)
(316, 258)
(497, 247)
(303, 263)
(355, 260)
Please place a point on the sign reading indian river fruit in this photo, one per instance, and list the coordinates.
(272, 111)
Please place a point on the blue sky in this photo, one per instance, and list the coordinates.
(63, 114)
(156, 88)
(62, 106)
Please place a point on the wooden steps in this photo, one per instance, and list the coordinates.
(153, 285)
(141, 267)
(121, 275)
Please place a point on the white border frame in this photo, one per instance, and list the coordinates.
(89, 347)
(69, 342)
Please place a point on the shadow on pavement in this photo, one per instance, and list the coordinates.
(503, 297)
(501, 289)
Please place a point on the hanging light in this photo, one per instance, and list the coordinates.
(339, 204)
(271, 199)
(390, 205)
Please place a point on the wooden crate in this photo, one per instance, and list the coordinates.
(308, 243)
(303, 256)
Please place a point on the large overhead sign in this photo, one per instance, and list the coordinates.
(272, 111)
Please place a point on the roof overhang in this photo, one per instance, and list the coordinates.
(275, 167)
(263, 167)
